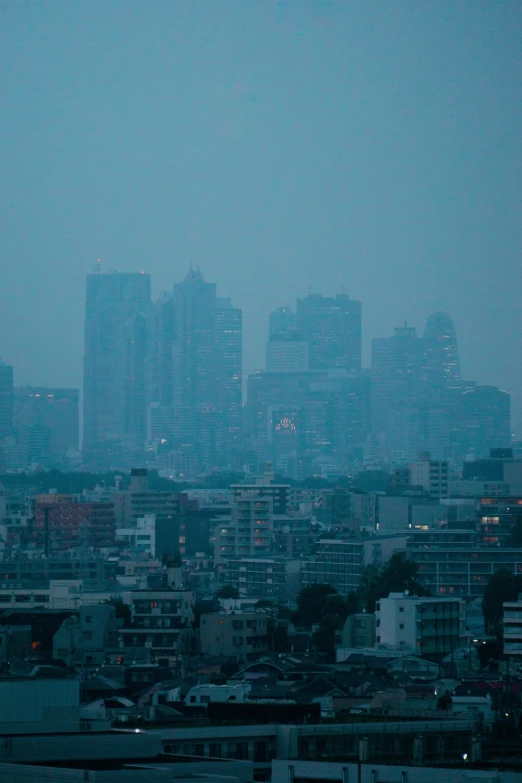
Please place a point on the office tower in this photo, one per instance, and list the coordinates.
(332, 328)
(485, 414)
(229, 376)
(197, 389)
(117, 312)
(287, 353)
(6, 399)
(398, 379)
(46, 423)
(441, 342)
(281, 321)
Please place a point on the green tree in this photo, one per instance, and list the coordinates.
(502, 586)
(227, 591)
(310, 603)
(397, 576)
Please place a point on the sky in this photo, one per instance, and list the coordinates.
(371, 147)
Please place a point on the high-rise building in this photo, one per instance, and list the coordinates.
(117, 312)
(229, 376)
(281, 321)
(332, 328)
(196, 399)
(287, 353)
(46, 423)
(6, 399)
(441, 342)
(398, 375)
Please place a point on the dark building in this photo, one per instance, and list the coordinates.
(117, 312)
(46, 422)
(332, 328)
(6, 399)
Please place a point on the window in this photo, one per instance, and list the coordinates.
(401, 608)
(401, 626)
(237, 625)
(88, 619)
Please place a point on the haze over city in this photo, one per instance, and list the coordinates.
(371, 148)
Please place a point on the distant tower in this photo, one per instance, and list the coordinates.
(114, 405)
(440, 332)
(6, 399)
(332, 328)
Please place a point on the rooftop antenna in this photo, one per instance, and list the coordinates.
(97, 267)
(309, 290)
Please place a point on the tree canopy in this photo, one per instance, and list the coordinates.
(397, 576)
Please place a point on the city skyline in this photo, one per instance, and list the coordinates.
(279, 146)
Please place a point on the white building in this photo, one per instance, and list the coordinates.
(426, 626)
(431, 475)
(142, 538)
(513, 629)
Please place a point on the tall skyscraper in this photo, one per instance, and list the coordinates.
(46, 423)
(117, 313)
(197, 374)
(6, 399)
(332, 328)
(281, 321)
(441, 343)
(229, 374)
(398, 391)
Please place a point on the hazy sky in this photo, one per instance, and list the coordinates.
(375, 145)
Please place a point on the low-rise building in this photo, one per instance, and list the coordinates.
(428, 627)
(512, 625)
(334, 562)
(235, 634)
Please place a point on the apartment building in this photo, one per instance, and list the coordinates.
(429, 627)
(241, 635)
(512, 625)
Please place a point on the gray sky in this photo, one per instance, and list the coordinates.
(371, 145)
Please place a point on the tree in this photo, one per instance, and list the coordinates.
(310, 603)
(122, 610)
(502, 586)
(397, 576)
(227, 591)
(324, 637)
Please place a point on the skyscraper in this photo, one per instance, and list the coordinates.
(332, 328)
(229, 374)
(117, 311)
(398, 390)
(197, 387)
(46, 423)
(6, 399)
(441, 342)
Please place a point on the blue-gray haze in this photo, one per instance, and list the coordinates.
(280, 145)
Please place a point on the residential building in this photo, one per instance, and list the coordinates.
(512, 629)
(93, 629)
(276, 577)
(249, 531)
(234, 634)
(358, 632)
(429, 627)
(431, 475)
(63, 524)
(334, 562)
(162, 619)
